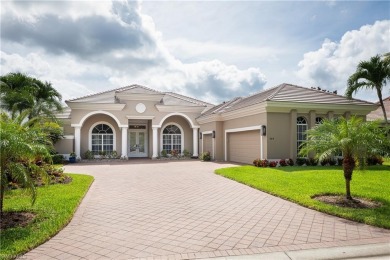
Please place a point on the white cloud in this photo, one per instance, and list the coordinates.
(88, 46)
(332, 64)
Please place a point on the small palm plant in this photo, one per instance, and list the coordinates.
(355, 138)
(21, 146)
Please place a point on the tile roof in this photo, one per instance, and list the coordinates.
(286, 93)
(109, 96)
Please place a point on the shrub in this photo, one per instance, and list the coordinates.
(113, 154)
(102, 154)
(290, 162)
(332, 161)
(374, 160)
(57, 158)
(300, 161)
(311, 162)
(273, 164)
(88, 155)
(256, 162)
(205, 156)
(340, 161)
(264, 163)
(282, 162)
(186, 153)
(174, 153)
(164, 153)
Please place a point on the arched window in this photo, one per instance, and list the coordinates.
(319, 120)
(301, 132)
(172, 138)
(102, 138)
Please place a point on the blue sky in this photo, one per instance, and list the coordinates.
(209, 50)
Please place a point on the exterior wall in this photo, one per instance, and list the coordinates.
(64, 146)
(208, 144)
(68, 130)
(84, 145)
(218, 140)
(278, 136)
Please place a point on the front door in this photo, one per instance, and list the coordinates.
(138, 146)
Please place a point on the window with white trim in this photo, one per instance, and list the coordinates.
(301, 132)
(102, 138)
(319, 120)
(172, 138)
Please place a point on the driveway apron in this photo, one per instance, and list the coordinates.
(182, 210)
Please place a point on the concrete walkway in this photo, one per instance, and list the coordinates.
(182, 210)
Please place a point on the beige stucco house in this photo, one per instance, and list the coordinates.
(136, 121)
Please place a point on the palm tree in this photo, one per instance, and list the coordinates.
(355, 138)
(20, 92)
(21, 145)
(373, 75)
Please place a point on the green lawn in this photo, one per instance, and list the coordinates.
(298, 184)
(55, 206)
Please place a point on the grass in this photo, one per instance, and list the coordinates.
(54, 208)
(299, 184)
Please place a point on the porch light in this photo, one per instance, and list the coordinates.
(263, 130)
(213, 134)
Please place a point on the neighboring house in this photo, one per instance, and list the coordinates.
(137, 121)
(378, 113)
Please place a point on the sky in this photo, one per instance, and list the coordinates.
(209, 50)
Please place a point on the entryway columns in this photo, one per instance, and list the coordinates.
(155, 142)
(195, 137)
(124, 142)
(77, 136)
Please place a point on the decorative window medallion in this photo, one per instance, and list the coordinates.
(140, 108)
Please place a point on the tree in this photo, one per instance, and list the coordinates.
(356, 139)
(20, 92)
(21, 146)
(371, 74)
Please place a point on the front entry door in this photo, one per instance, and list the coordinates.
(138, 146)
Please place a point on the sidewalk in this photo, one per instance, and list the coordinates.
(373, 251)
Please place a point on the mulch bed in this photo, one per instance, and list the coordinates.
(342, 201)
(15, 219)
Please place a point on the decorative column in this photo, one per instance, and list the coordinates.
(155, 142)
(77, 137)
(124, 142)
(195, 141)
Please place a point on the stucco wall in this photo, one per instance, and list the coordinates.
(64, 146)
(278, 136)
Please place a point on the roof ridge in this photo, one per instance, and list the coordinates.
(187, 98)
(99, 93)
(278, 88)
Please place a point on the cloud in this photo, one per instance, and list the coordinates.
(87, 46)
(332, 64)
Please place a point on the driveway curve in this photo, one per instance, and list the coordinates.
(182, 210)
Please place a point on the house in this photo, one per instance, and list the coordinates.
(136, 121)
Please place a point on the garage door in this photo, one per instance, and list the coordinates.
(244, 147)
(208, 143)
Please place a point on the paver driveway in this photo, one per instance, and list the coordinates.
(181, 209)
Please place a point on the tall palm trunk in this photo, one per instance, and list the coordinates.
(382, 105)
(348, 166)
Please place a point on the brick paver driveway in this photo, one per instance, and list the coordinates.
(180, 210)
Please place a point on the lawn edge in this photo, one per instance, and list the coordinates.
(301, 204)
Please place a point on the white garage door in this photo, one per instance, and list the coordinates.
(244, 147)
